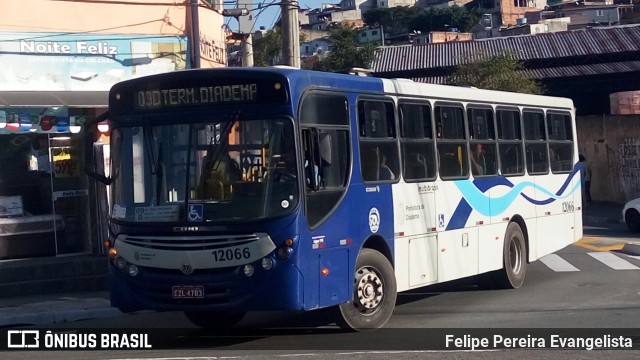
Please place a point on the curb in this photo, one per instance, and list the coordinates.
(631, 248)
(59, 311)
(591, 219)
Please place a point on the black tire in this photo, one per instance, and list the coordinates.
(632, 219)
(514, 262)
(374, 294)
(215, 320)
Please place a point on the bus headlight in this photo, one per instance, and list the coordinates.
(267, 263)
(248, 270)
(133, 270)
(121, 263)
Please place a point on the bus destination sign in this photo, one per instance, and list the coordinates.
(157, 99)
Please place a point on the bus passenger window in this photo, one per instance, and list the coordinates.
(510, 142)
(560, 142)
(378, 148)
(416, 142)
(451, 142)
(482, 141)
(535, 142)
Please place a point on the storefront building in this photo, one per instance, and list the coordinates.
(51, 83)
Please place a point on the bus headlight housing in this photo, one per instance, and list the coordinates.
(286, 250)
(267, 263)
(133, 270)
(248, 270)
(121, 263)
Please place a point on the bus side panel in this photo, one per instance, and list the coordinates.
(415, 242)
(556, 221)
(457, 246)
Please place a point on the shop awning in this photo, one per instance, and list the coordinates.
(54, 98)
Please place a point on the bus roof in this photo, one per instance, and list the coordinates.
(301, 79)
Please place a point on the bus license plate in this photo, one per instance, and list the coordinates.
(187, 292)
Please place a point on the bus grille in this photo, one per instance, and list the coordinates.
(189, 243)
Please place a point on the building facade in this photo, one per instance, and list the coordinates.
(58, 61)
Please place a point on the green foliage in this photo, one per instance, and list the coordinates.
(346, 52)
(494, 72)
(399, 20)
(395, 20)
(266, 50)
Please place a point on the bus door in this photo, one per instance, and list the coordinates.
(330, 232)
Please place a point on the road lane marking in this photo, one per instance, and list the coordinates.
(613, 261)
(557, 264)
(585, 243)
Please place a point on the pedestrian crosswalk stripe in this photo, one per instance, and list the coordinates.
(613, 261)
(637, 257)
(556, 263)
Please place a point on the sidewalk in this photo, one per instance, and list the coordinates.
(72, 306)
(602, 212)
(55, 308)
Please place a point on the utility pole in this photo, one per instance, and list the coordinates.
(245, 29)
(194, 34)
(290, 33)
(247, 50)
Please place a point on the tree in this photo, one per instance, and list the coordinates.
(266, 50)
(345, 51)
(501, 71)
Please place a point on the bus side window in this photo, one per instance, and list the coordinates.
(378, 147)
(451, 141)
(416, 142)
(510, 142)
(535, 142)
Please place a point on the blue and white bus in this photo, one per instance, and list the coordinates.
(235, 190)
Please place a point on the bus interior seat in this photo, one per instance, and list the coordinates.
(417, 166)
(370, 164)
(327, 173)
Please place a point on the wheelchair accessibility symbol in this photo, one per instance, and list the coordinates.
(195, 212)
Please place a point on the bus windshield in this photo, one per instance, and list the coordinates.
(204, 172)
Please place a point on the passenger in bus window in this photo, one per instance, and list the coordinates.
(478, 162)
(385, 172)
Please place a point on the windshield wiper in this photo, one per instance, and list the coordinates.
(156, 162)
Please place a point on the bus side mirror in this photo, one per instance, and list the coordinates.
(94, 152)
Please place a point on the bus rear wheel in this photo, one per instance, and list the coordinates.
(374, 294)
(514, 262)
(215, 320)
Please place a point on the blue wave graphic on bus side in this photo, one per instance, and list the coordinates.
(474, 198)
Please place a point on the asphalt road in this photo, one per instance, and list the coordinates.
(587, 290)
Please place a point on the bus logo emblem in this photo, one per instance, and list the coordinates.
(195, 212)
(441, 220)
(374, 220)
(187, 269)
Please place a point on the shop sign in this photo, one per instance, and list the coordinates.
(66, 168)
(69, 193)
(83, 62)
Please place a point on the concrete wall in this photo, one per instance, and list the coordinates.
(611, 144)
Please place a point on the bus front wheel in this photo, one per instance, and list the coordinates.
(215, 320)
(374, 294)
